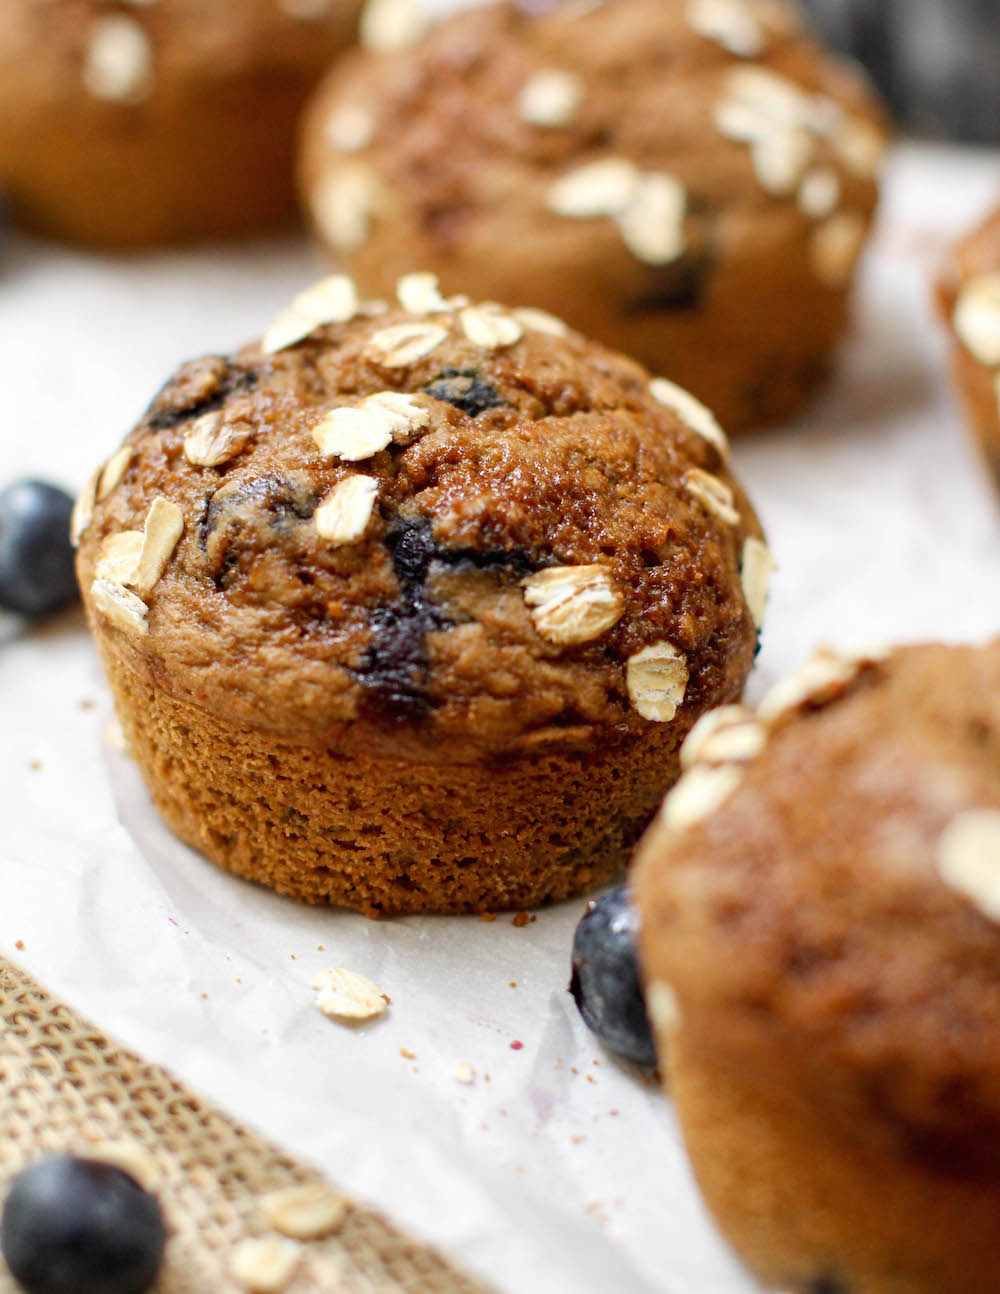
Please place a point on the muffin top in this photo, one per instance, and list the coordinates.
(653, 137)
(443, 519)
(72, 50)
(821, 895)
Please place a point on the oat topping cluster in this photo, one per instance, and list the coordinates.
(799, 142)
(568, 604)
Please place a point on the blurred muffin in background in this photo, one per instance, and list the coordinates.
(689, 182)
(130, 124)
(937, 61)
(969, 298)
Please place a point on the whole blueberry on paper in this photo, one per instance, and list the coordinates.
(36, 557)
(605, 983)
(76, 1226)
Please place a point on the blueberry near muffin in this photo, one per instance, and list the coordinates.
(126, 124)
(969, 297)
(820, 904)
(408, 608)
(690, 182)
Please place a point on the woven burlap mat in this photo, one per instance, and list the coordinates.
(65, 1086)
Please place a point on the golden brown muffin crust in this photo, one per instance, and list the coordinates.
(127, 124)
(448, 154)
(549, 452)
(811, 931)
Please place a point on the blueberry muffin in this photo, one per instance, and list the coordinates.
(691, 183)
(409, 608)
(138, 122)
(820, 901)
(969, 296)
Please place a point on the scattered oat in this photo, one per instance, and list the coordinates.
(657, 678)
(595, 189)
(698, 794)
(211, 442)
(781, 158)
(114, 469)
(305, 1212)
(20, 945)
(464, 1072)
(968, 858)
(161, 534)
(349, 128)
(407, 1054)
(727, 735)
(819, 192)
(265, 1264)
(691, 412)
(771, 101)
(355, 432)
(520, 920)
(344, 514)
(716, 495)
(756, 569)
(664, 1008)
(489, 327)
(731, 23)
(540, 321)
(343, 204)
(388, 25)
(652, 222)
(861, 147)
(977, 317)
(550, 98)
(131, 1158)
(572, 604)
(122, 608)
(405, 343)
(333, 299)
(419, 294)
(118, 61)
(346, 995)
(287, 329)
(114, 737)
(836, 246)
(118, 559)
(819, 681)
(83, 509)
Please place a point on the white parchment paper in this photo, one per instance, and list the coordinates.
(558, 1170)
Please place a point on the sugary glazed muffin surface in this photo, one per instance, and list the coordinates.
(449, 533)
(969, 297)
(821, 908)
(691, 183)
(128, 124)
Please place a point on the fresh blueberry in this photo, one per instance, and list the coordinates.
(75, 1226)
(36, 557)
(606, 985)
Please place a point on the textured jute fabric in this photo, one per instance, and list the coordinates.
(66, 1086)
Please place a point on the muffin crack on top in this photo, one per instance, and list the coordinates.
(447, 532)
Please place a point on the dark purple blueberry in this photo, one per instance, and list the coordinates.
(76, 1226)
(36, 557)
(606, 985)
